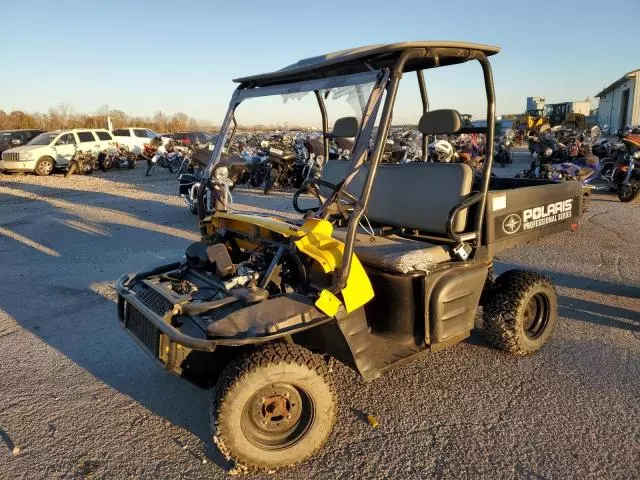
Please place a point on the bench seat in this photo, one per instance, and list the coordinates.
(396, 254)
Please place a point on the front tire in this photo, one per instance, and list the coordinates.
(627, 193)
(272, 179)
(71, 170)
(273, 407)
(174, 165)
(521, 312)
(44, 166)
(105, 162)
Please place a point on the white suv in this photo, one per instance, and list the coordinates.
(135, 138)
(54, 149)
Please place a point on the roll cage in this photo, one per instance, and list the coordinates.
(384, 66)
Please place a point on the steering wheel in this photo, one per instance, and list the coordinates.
(312, 186)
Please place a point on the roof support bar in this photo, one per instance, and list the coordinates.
(383, 133)
(425, 108)
(325, 124)
(488, 159)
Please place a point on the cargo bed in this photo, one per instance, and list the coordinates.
(522, 210)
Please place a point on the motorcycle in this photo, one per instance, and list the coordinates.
(282, 168)
(309, 160)
(503, 145)
(116, 156)
(548, 148)
(82, 163)
(258, 167)
(189, 185)
(627, 174)
(167, 156)
(345, 147)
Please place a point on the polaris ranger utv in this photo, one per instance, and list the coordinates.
(393, 261)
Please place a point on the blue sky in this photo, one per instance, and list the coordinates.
(143, 56)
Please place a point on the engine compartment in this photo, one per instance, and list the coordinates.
(214, 281)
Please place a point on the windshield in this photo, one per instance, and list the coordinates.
(5, 138)
(43, 139)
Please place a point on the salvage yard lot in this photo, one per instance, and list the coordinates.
(79, 399)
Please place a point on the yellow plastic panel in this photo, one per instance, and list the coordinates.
(327, 251)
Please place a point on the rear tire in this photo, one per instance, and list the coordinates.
(273, 407)
(44, 166)
(521, 312)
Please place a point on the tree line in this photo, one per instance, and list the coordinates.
(64, 117)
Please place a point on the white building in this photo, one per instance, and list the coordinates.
(620, 102)
(583, 107)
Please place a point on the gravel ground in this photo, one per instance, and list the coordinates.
(78, 399)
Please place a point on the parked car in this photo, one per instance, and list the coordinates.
(190, 138)
(15, 138)
(134, 137)
(54, 149)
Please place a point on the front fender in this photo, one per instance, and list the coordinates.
(319, 245)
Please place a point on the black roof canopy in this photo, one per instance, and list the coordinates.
(372, 57)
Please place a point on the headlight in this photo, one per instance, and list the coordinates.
(222, 173)
(27, 155)
(636, 155)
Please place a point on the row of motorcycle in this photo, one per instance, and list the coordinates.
(159, 152)
(114, 156)
(271, 161)
(589, 157)
(267, 161)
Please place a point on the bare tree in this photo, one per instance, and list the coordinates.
(63, 116)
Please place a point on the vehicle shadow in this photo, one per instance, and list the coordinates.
(66, 248)
(576, 281)
(87, 332)
(599, 314)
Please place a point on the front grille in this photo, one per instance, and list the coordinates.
(154, 300)
(143, 329)
(11, 157)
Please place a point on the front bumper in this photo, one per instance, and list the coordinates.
(19, 166)
(164, 329)
(153, 332)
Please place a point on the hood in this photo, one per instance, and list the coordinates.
(24, 148)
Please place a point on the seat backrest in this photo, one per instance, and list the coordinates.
(413, 195)
(437, 122)
(345, 127)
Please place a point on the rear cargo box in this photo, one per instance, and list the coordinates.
(521, 210)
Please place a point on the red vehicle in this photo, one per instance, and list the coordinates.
(190, 138)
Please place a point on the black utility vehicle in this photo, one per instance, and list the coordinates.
(393, 261)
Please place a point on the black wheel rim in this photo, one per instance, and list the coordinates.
(536, 316)
(277, 416)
